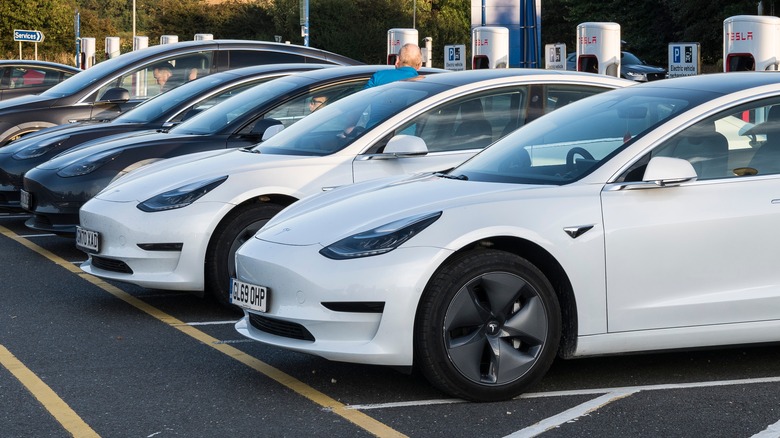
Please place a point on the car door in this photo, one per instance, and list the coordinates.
(455, 130)
(703, 252)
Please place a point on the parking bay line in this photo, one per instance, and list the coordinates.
(46, 396)
(357, 418)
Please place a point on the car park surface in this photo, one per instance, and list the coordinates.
(121, 360)
(22, 77)
(176, 224)
(55, 190)
(162, 111)
(605, 227)
(111, 87)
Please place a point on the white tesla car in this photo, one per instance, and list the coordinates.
(176, 224)
(640, 219)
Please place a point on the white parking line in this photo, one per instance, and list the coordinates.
(212, 323)
(27, 236)
(772, 431)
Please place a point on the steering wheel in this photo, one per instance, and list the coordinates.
(576, 151)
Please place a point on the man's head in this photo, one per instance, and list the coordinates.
(409, 56)
(162, 72)
(317, 102)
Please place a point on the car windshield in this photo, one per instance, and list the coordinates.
(157, 105)
(571, 142)
(225, 113)
(336, 126)
(630, 59)
(82, 80)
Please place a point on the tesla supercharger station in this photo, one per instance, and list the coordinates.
(396, 38)
(169, 39)
(750, 42)
(140, 42)
(203, 36)
(87, 53)
(139, 79)
(112, 47)
(598, 48)
(489, 47)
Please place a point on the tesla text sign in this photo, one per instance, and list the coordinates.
(33, 36)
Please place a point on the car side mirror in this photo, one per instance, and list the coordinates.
(406, 145)
(667, 171)
(115, 95)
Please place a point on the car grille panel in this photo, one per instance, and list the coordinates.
(280, 328)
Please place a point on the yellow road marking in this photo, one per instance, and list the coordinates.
(360, 419)
(48, 398)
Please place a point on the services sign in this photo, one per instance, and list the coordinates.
(31, 36)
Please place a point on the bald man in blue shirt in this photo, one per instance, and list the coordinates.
(406, 65)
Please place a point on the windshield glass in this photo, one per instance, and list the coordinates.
(571, 142)
(334, 127)
(189, 93)
(225, 113)
(83, 79)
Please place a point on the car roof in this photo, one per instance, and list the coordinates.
(723, 83)
(333, 71)
(455, 79)
(36, 63)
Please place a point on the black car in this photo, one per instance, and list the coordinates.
(164, 110)
(21, 77)
(118, 84)
(631, 67)
(55, 190)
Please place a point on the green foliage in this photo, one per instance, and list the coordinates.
(358, 28)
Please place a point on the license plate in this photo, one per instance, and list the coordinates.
(87, 240)
(24, 199)
(248, 296)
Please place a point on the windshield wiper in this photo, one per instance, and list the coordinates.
(449, 176)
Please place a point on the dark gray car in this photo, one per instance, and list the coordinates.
(118, 84)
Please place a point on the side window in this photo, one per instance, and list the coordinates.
(215, 99)
(303, 105)
(739, 143)
(246, 58)
(161, 75)
(30, 77)
(470, 123)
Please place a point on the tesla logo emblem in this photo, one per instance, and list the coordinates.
(492, 328)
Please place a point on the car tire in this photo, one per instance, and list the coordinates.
(488, 326)
(238, 226)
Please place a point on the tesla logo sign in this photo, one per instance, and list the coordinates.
(740, 36)
(588, 40)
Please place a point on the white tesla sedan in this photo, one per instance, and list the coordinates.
(176, 224)
(640, 219)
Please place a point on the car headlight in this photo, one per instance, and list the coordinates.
(180, 197)
(36, 150)
(635, 76)
(88, 165)
(380, 240)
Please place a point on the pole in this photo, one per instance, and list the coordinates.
(414, 15)
(133, 19)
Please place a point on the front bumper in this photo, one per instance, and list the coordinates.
(329, 300)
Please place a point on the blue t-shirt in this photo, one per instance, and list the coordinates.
(386, 76)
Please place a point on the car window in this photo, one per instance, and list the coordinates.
(247, 58)
(31, 77)
(299, 107)
(737, 143)
(567, 144)
(141, 83)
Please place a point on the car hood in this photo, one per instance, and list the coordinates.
(328, 217)
(112, 143)
(176, 172)
(62, 131)
(640, 68)
(25, 102)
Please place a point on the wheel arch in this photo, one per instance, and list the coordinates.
(274, 198)
(550, 267)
